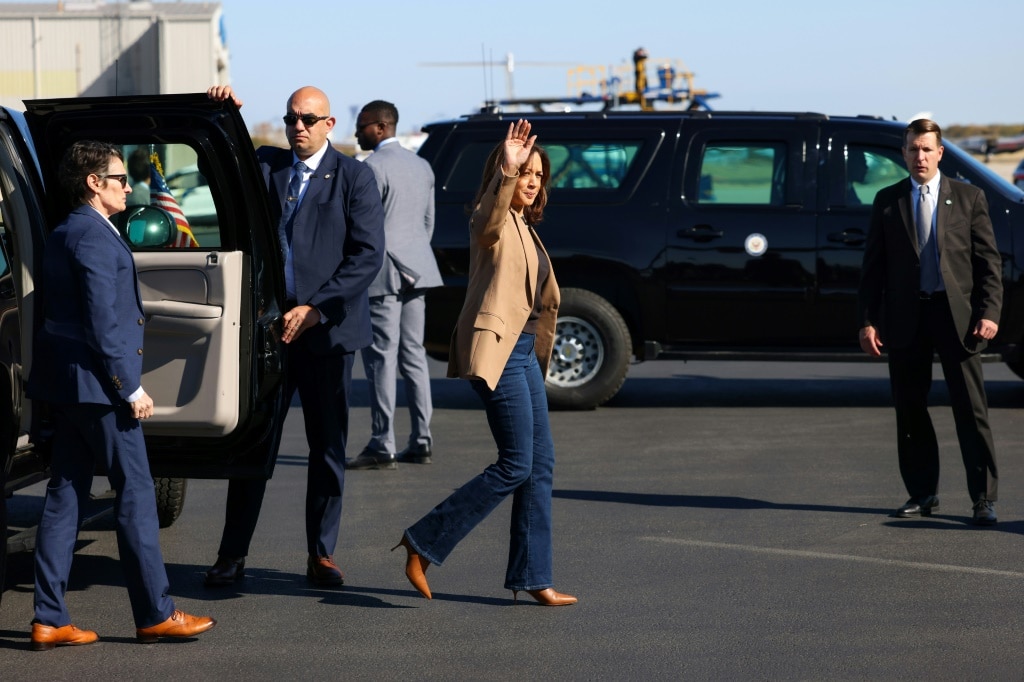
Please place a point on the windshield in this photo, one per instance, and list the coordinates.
(974, 172)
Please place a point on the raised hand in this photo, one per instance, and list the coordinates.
(518, 146)
(219, 93)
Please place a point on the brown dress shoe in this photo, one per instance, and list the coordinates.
(323, 571)
(45, 637)
(180, 624)
(225, 571)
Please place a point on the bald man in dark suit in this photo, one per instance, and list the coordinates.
(331, 225)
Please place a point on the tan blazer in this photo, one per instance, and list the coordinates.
(502, 280)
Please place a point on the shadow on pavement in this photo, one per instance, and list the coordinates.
(935, 522)
(703, 501)
(683, 390)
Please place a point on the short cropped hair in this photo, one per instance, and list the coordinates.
(921, 126)
(82, 159)
(386, 112)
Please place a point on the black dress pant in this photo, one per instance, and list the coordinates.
(910, 373)
(323, 383)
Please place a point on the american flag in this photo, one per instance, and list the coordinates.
(160, 195)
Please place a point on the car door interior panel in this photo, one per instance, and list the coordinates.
(193, 321)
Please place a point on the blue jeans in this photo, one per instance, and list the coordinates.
(517, 412)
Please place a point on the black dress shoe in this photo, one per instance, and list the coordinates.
(372, 459)
(415, 454)
(225, 571)
(984, 513)
(918, 507)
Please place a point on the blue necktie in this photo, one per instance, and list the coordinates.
(291, 202)
(926, 243)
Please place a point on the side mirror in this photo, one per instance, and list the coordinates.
(148, 226)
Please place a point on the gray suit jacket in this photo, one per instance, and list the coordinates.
(968, 257)
(406, 185)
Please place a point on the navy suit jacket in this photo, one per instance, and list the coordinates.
(337, 244)
(89, 348)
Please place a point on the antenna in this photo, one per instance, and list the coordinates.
(488, 65)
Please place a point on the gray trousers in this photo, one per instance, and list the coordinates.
(398, 321)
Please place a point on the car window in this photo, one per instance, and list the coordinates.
(575, 165)
(743, 173)
(584, 165)
(467, 170)
(869, 169)
(168, 176)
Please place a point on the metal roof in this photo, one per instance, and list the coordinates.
(99, 8)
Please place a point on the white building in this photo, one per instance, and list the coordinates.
(94, 48)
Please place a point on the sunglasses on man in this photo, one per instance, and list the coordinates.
(308, 120)
(122, 178)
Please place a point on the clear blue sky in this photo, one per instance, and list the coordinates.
(960, 61)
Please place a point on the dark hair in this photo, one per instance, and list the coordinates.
(533, 213)
(82, 159)
(138, 164)
(922, 126)
(386, 112)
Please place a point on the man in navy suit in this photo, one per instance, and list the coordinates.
(87, 363)
(931, 284)
(331, 226)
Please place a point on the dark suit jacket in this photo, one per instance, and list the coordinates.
(89, 349)
(337, 244)
(968, 258)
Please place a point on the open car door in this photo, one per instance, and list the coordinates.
(212, 292)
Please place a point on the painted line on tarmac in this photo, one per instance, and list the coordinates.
(804, 554)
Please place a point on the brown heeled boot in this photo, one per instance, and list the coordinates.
(415, 568)
(547, 597)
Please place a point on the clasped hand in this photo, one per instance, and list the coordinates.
(297, 320)
(143, 407)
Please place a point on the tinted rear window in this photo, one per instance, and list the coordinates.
(575, 165)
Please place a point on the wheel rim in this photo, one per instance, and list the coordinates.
(578, 353)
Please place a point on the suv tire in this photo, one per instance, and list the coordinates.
(170, 499)
(591, 354)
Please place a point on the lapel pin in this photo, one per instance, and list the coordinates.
(949, 202)
(327, 176)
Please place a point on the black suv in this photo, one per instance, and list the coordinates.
(212, 352)
(699, 235)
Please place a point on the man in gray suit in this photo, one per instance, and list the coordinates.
(398, 294)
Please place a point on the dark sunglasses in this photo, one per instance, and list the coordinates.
(122, 178)
(308, 120)
(360, 126)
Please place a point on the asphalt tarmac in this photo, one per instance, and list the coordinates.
(716, 520)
